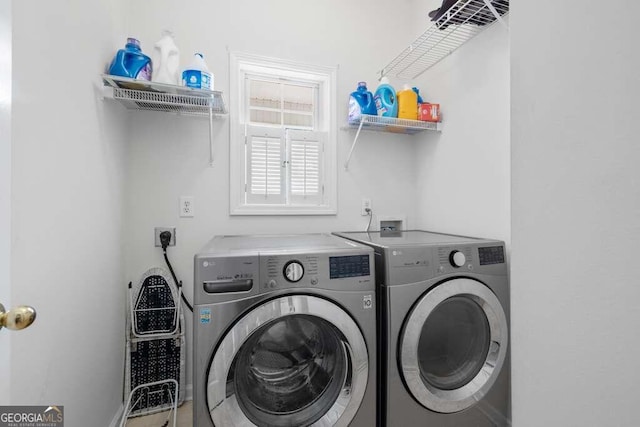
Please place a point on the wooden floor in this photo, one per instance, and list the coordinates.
(185, 418)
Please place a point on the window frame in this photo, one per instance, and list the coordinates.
(242, 64)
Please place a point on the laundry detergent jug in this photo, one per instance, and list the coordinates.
(407, 103)
(385, 99)
(131, 62)
(197, 75)
(361, 102)
(166, 60)
(417, 91)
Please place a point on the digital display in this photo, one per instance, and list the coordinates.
(348, 266)
(491, 255)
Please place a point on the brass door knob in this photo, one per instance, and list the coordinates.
(17, 318)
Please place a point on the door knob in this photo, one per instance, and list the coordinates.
(17, 318)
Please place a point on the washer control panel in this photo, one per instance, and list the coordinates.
(349, 266)
(314, 270)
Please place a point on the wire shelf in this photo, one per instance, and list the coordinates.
(463, 21)
(393, 125)
(145, 95)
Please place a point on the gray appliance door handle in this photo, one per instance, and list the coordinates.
(231, 285)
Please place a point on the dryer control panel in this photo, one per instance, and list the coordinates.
(488, 259)
(415, 264)
(455, 259)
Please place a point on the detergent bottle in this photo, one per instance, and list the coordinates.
(407, 103)
(197, 75)
(385, 99)
(417, 91)
(131, 62)
(361, 102)
(166, 60)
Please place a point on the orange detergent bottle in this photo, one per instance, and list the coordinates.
(407, 103)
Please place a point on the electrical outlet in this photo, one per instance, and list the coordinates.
(159, 230)
(186, 207)
(366, 204)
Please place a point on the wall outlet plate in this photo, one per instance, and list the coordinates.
(186, 207)
(366, 204)
(159, 230)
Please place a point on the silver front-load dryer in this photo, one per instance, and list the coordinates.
(284, 332)
(444, 329)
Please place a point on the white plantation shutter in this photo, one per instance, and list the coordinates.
(265, 180)
(305, 166)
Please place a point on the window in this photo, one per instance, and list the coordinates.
(283, 137)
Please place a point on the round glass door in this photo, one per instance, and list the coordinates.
(453, 345)
(294, 361)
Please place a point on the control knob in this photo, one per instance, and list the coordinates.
(457, 259)
(293, 271)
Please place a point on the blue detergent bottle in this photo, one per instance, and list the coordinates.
(131, 62)
(361, 102)
(385, 99)
(417, 91)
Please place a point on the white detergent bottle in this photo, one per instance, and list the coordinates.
(166, 60)
(197, 74)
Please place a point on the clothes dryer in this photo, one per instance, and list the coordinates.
(443, 329)
(284, 332)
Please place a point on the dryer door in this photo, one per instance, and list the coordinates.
(293, 361)
(453, 345)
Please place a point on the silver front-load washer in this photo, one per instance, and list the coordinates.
(444, 329)
(284, 332)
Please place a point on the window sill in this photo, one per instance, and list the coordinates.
(283, 210)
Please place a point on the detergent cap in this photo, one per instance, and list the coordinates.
(406, 87)
(384, 80)
(362, 85)
(133, 43)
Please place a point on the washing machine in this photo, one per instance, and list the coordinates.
(444, 329)
(284, 332)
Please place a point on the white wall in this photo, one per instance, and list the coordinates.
(576, 213)
(463, 173)
(68, 183)
(5, 190)
(168, 155)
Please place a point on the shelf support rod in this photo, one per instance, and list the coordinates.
(353, 146)
(210, 136)
(496, 14)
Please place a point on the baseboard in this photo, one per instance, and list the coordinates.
(116, 419)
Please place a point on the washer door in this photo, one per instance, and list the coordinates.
(453, 345)
(293, 361)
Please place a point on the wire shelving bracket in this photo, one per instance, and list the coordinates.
(387, 124)
(145, 95)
